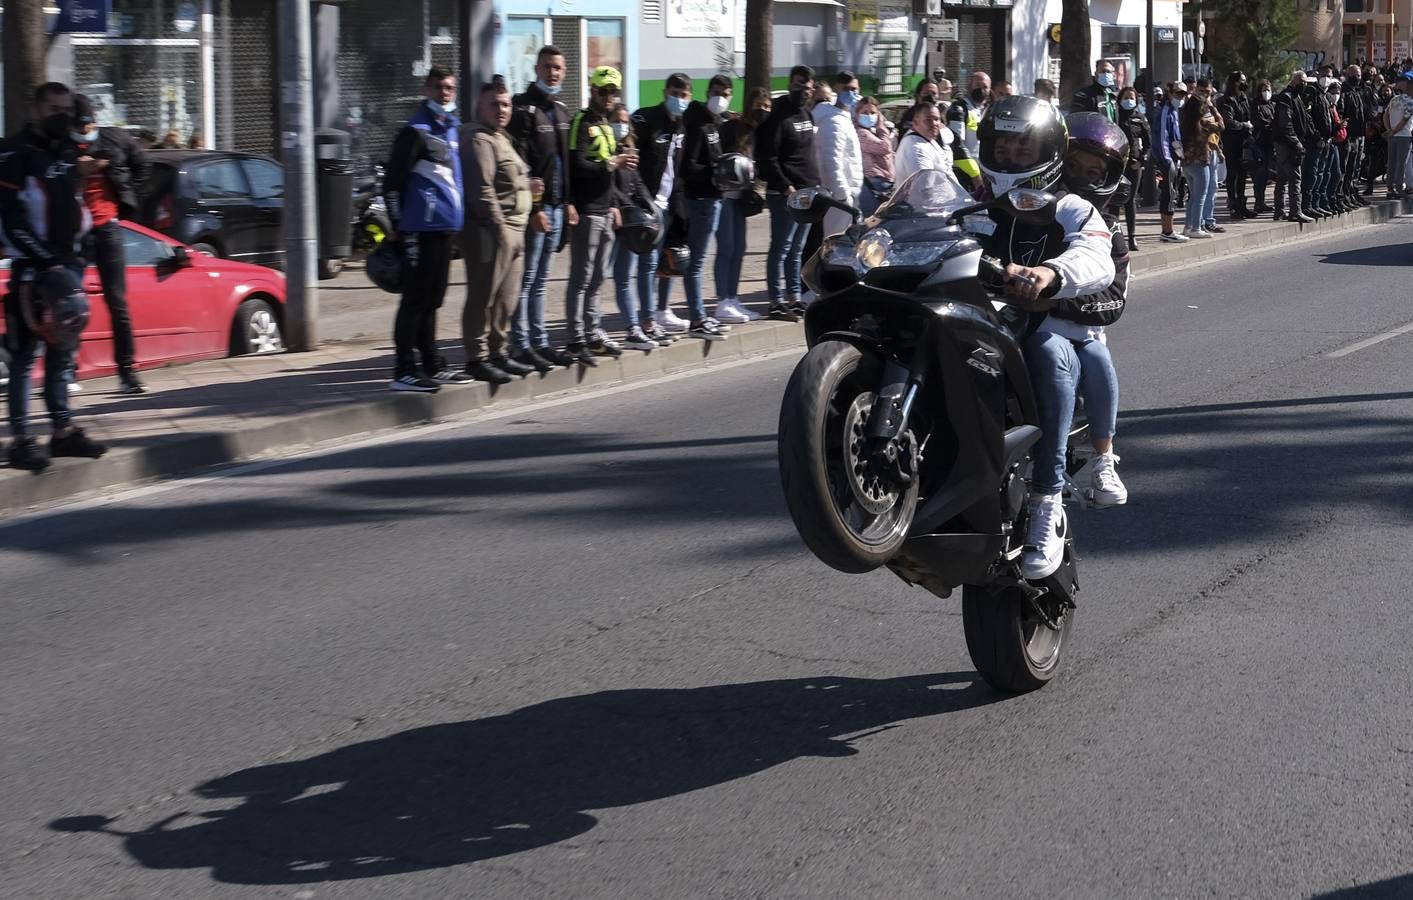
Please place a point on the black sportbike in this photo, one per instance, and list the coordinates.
(906, 432)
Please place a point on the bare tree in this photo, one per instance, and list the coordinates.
(758, 27)
(24, 49)
(1076, 65)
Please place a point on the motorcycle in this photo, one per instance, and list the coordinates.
(906, 432)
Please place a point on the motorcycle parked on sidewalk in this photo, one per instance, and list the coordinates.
(907, 430)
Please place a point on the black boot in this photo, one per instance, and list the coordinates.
(484, 371)
(511, 366)
(534, 360)
(129, 383)
(76, 443)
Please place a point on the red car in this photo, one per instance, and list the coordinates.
(185, 306)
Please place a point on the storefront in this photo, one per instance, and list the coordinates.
(606, 37)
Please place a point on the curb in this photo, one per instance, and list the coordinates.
(185, 453)
(1167, 256)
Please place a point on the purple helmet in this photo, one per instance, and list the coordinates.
(1094, 134)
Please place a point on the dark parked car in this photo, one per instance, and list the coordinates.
(221, 203)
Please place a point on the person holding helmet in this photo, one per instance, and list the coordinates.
(738, 137)
(594, 157)
(701, 147)
(1022, 146)
(660, 136)
(639, 233)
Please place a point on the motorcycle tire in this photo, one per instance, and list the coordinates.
(814, 471)
(1013, 649)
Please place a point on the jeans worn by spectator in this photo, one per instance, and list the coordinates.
(787, 247)
(1334, 176)
(23, 344)
(495, 271)
(1059, 369)
(1398, 163)
(1199, 178)
(426, 270)
(625, 267)
(105, 248)
(730, 249)
(590, 247)
(702, 218)
(653, 293)
(1316, 171)
(527, 330)
(1353, 164)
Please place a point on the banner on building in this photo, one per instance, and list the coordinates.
(82, 17)
(700, 18)
(879, 16)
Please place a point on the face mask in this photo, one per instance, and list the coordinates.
(797, 94)
(718, 105)
(1177, 102)
(1265, 96)
(86, 137)
(1128, 104)
(57, 126)
(1241, 88)
(442, 109)
(676, 105)
(868, 120)
(850, 99)
(1143, 108)
(1105, 79)
(930, 98)
(978, 95)
(620, 130)
(548, 89)
(1323, 82)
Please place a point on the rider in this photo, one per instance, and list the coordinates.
(1022, 145)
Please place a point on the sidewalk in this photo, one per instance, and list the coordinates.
(221, 411)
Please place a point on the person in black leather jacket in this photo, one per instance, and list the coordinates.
(114, 192)
(1358, 100)
(1135, 127)
(1235, 109)
(785, 162)
(1317, 146)
(1260, 147)
(1291, 134)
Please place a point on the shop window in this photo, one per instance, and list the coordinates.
(142, 87)
(523, 39)
(605, 44)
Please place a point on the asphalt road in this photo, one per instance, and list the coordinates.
(577, 651)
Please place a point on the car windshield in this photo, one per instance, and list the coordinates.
(930, 193)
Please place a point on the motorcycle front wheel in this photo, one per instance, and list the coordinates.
(847, 516)
(1012, 646)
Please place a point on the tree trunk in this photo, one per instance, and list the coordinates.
(24, 50)
(758, 28)
(1076, 65)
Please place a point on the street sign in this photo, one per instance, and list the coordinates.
(943, 30)
(1188, 41)
(82, 16)
(1165, 35)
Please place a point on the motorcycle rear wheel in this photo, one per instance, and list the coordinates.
(845, 515)
(1013, 649)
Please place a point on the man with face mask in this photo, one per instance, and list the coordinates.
(702, 146)
(785, 161)
(43, 222)
(422, 184)
(837, 151)
(1235, 110)
(112, 192)
(1315, 177)
(661, 137)
(1357, 101)
(539, 128)
(1098, 96)
(1290, 135)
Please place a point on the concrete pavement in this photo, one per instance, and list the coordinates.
(227, 410)
(577, 651)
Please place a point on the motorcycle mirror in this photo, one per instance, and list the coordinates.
(808, 205)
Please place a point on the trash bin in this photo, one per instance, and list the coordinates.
(333, 173)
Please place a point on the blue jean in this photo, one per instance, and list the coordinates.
(527, 327)
(1317, 175)
(702, 218)
(59, 363)
(1058, 371)
(651, 298)
(730, 249)
(787, 250)
(1202, 186)
(1334, 175)
(625, 264)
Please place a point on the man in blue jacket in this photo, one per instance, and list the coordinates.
(423, 188)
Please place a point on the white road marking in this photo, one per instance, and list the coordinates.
(1369, 342)
(398, 435)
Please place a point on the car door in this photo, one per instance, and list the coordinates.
(95, 355)
(267, 192)
(222, 192)
(172, 313)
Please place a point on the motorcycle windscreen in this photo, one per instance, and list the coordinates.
(929, 193)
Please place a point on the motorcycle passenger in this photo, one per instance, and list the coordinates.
(1022, 145)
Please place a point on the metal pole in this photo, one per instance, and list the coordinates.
(1148, 48)
(297, 141)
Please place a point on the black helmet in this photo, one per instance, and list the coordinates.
(1041, 124)
(384, 267)
(734, 172)
(1093, 133)
(673, 261)
(60, 307)
(640, 229)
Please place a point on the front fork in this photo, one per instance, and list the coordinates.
(889, 442)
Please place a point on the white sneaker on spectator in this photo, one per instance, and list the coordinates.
(1045, 543)
(1196, 233)
(728, 313)
(1105, 488)
(740, 307)
(670, 321)
(1172, 237)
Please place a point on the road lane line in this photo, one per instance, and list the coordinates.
(1369, 342)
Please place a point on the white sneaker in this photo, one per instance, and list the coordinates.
(740, 309)
(1196, 233)
(1173, 237)
(1105, 488)
(670, 321)
(1045, 544)
(727, 313)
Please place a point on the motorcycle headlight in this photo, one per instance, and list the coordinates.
(920, 253)
(836, 253)
(873, 248)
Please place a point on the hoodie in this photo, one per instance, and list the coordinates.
(837, 153)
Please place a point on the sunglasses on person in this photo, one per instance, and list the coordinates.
(606, 91)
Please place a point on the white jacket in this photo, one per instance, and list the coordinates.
(837, 153)
(916, 153)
